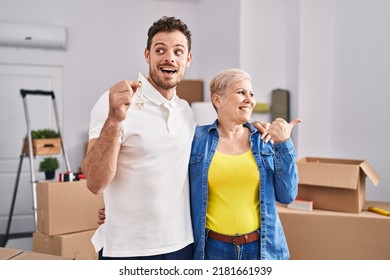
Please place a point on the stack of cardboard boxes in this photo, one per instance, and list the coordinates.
(339, 226)
(66, 219)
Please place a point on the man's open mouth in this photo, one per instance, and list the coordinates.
(168, 70)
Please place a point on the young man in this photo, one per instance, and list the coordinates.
(138, 154)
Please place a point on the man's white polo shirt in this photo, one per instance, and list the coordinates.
(147, 203)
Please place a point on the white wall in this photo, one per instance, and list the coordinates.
(361, 86)
(315, 77)
(219, 38)
(333, 58)
(332, 55)
(269, 41)
(263, 48)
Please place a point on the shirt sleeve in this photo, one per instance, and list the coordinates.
(99, 116)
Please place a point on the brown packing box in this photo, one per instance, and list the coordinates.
(65, 207)
(335, 184)
(16, 254)
(190, 90)
(75, 246)
(329, 235)
(8, 253)
(27, 255)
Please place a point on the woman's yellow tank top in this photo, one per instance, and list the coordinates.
(233, 200)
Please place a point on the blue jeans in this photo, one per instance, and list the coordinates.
(219, 250)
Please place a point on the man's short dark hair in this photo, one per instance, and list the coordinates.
(168, 24)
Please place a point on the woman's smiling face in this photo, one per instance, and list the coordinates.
(238, 102)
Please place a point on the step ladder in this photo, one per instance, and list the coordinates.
(24, 93)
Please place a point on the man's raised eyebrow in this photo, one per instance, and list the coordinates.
(163, 44)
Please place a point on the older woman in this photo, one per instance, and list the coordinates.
(236, 178)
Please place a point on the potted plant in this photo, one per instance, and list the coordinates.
(44, 134)
(49, 165)
(44, 142)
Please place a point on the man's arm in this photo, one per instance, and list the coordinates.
(100, 162)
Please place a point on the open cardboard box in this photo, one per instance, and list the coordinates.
(335, 184)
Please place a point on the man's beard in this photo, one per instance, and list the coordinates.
(161, 83)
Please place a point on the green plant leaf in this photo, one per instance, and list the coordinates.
(44, 133)
(48, 164)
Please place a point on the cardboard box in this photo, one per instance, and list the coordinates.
(16, 254)
(335, 184)
(76, 246)
(301, 205)
(47, 146)
(190, 90)
(330, 235)
(66, 207)
(9, 253)
(27, 255)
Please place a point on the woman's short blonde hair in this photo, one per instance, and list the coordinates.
(225, 79)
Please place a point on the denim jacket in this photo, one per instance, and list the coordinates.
(278, 183)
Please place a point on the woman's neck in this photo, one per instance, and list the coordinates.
(233, 139)
(231, 131)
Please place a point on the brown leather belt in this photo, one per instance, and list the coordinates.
(235, 239)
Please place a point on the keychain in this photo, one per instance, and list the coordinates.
(139, 102)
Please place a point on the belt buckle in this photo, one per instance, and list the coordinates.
(234, 239)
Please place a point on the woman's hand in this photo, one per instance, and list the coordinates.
(262, 127)
(280, 130)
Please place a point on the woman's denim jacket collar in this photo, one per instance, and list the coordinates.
(278, 182)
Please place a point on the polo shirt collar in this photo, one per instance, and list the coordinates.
(152, 94)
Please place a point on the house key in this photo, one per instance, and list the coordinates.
(139, 102)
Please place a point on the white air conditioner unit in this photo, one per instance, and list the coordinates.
(32, 36)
